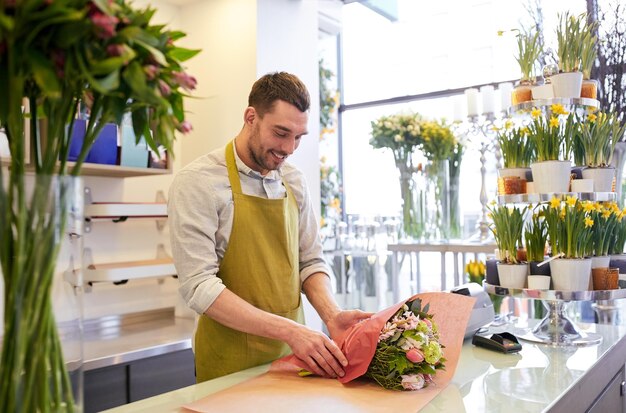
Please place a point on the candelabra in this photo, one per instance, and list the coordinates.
(480, 131)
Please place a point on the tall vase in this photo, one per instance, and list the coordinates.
(413, 218)
(437, 201)
(42, 351)
(456, 230)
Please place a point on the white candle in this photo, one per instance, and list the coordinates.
(487, 93)
(472, 101)
(505, 95)
(457, 114)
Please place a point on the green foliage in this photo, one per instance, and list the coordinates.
(507, 226)
(328, 97)
(569, 227)
(570, 34)
(535, 237)
(528, 51)
(551, 136)
(518, 150)
(597, 137)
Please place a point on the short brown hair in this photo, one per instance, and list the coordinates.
(278, 86)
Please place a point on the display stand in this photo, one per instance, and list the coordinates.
(556, 328)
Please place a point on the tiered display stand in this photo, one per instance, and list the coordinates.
(556, 328)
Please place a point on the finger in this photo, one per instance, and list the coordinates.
(324, 364)
(338, 356)
(314, 367)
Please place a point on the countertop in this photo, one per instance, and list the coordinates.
(114, 340)
(539, 378)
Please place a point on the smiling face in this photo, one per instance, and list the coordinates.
(268, 140)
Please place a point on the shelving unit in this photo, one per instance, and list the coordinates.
(534, 198)
(112, 210)
(121, 271)
(527, 106)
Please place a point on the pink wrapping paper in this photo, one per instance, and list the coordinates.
(282, 390)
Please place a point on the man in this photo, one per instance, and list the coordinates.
(245, 243)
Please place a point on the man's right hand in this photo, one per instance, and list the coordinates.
(320, 353)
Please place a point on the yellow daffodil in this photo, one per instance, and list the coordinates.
(592, 117)
(524, 130)
(606, 213)
(571, 201)
(335, 203)
(508, 124)
(558, 109)
(588, 222)
(554, 122)
(588, 206)
(494, 128)
(555, 203)
(598, 206)
(562, 213)
(535, 113)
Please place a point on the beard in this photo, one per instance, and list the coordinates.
(262, 157)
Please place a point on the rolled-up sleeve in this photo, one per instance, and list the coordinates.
(193, 220)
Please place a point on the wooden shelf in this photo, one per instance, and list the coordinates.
(130, 270)
(111, 210)
(95, 169)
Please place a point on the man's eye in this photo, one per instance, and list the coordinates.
(280, 134)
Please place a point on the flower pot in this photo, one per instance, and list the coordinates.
(551, 176)
(512, 275)
(512, 180)
(535, 269)
(605, 278)
(571, 274)
(567, 85)
(491, 272)
(602, 178)
(538, 282)
(522, 93)
(542, 91)
(598, 261)
(589, 89)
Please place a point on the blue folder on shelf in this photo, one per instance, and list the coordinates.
(104, 149)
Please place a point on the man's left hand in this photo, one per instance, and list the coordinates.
(343, 320)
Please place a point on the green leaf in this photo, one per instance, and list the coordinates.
(6, 22)
(416, 306)
(113, 63)
(44, 74)
(426, 308)
(156, 54)
(176, 34)
(108, 83)
(181, 54)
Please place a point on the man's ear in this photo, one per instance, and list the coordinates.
(249, 115)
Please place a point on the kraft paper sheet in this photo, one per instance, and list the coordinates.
(281, 390)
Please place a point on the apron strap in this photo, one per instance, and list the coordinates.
(233, 174)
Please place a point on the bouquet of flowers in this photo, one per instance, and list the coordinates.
(401, 347)
(409, 351)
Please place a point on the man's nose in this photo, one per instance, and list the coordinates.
(289, 145)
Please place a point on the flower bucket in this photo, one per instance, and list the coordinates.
(512, 275)
(542, 91)
(602, 178)
(522, 93)
(601, 261)
(567, 85)
(571, 274)
(551, 176)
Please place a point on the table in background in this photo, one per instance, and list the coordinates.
(456, 247)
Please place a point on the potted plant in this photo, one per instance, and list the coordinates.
(596, 140)
(535, 240)
(605, 218)
(528, 50)
(551, 134)
(55, 57)
(507, 226)
(569, 227)
(518, 151)
(588, 55)
(570, 32)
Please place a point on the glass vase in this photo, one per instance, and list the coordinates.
(437, 201)
(42, 348)
(413, 200)
(456, 230)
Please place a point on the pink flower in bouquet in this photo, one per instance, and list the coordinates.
(415, 356)
(413, 381)
(185, 80)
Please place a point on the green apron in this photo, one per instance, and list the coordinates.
(261, 266)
